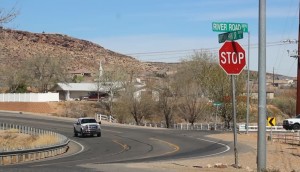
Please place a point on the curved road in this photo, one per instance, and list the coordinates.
(118, 145)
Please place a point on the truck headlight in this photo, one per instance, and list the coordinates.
(291, 122)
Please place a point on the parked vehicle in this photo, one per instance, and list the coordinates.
(292, 123)
(87, 126)
(93, 96)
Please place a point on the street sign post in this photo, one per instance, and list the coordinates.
(232, 58)
(230, 36)
(217, 104)
(229, 27)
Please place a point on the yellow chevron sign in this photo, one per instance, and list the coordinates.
(271, 121)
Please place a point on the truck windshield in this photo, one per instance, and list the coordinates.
(88, 121)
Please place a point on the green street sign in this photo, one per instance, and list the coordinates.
(217, 103)
(230, 36)
(229, 27)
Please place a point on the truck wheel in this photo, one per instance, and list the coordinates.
(98, 134)
(81, 133)
(75, 133)
(296, 126)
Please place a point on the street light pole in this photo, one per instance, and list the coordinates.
(298, 71)
(261, 139)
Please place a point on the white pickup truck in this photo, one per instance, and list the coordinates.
(87, 126)
(292, 123)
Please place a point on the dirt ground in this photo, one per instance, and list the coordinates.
(281, 157)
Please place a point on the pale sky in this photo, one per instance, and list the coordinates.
(164, 30)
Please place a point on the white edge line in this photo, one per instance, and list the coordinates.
(227, 148)
(82, 148)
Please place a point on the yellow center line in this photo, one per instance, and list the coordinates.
(124, 146)
(175, 147)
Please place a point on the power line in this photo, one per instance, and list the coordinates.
(188, 52)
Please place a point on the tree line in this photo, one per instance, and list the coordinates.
(186, 96)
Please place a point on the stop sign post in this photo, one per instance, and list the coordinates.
(232, 58)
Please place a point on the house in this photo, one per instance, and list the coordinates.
(82, 72)
(139, 93)
(74, 91)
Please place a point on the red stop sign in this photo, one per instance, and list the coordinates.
(232, 58)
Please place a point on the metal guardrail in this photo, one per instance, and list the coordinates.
(242, 127)
(14, 156)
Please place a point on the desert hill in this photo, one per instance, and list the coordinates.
(15, 46)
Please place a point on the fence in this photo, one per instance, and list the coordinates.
(290, 137)
(29, 97)
(242, 127)
(22, 154)
(100, 117)
(199, 126)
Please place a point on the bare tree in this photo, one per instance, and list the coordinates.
(201, 76)
(190, 83)
(139, 106)
(191, 105)
(110, 81)
(44, 71)
(8, 16)
(14, 80)
(167, 101)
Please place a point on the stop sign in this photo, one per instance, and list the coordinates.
(232, 58)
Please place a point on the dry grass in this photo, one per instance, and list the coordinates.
(13, 140)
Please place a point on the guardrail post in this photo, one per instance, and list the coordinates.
(9, 159)
(38, 155)
(17, 158)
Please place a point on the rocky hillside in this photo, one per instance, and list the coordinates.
(15, 46)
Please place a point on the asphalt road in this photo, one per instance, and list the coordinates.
(119, 145)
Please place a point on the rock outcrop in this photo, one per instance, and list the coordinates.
(16, 46)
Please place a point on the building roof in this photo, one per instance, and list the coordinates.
(91, 87)
(79, 87)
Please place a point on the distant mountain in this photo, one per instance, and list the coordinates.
(15, 46)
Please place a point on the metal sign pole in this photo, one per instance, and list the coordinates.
(261, 139)
(234, 121)
(248, 94)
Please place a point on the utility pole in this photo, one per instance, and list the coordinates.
(99, 80)
(261, 139)
(273, 78)
(298, 70)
